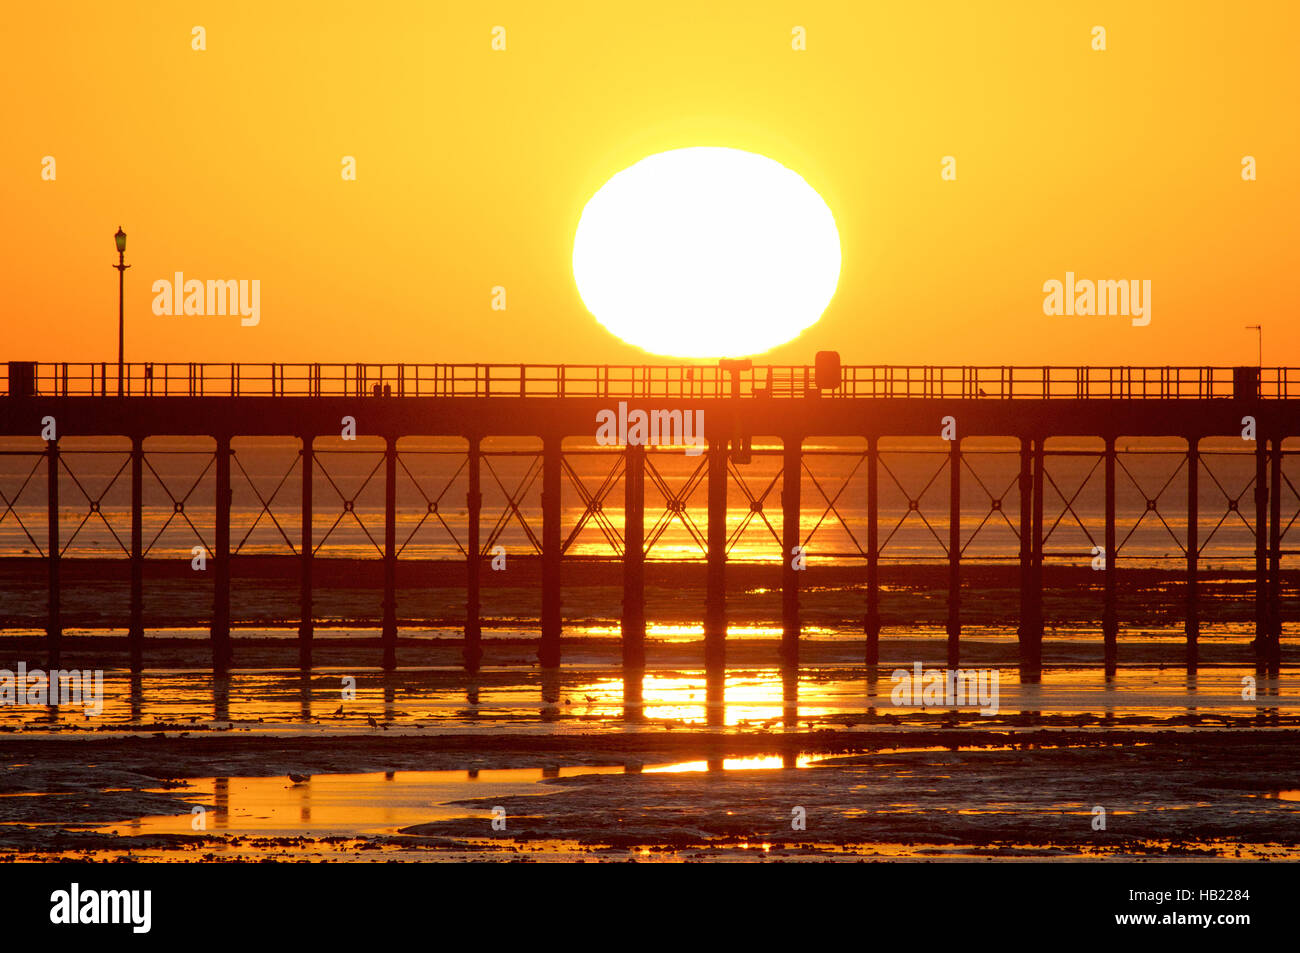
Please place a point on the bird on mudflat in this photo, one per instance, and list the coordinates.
(299, 778)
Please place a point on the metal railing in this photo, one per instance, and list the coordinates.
(634, 382)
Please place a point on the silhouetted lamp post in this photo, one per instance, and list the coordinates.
(121, 266)
(1259, 330)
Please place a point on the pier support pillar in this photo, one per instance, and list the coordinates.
(54, 621)
(1274, 654)
(954, 553)
(1035, 640)
(1193, 622)
(715, 604)
(1110, 597)
(473, 651)
(791, 479)
(1261, 552)
(633, 623)
(135, 631)
(872, 625)
(389, 637)
(221, 648)
(548, 653)
(1026, 485)
(306, 611)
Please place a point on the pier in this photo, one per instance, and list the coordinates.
(869, 405)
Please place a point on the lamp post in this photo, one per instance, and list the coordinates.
(121, 266)
(1259, 330)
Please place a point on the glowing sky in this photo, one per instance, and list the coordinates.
(473, 166)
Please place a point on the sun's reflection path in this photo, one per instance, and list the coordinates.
(634, 696)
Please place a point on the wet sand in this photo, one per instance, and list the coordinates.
(688, 795)
(412, 767)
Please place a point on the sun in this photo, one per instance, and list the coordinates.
(706, 252)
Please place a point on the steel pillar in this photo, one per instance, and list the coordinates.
(1274, 656)
(306, 612)
(954, 553)
(791, 480)
(54, 623)
(135, 631)
(1192, 624)
(633, 622)
(1036, 631)
(389, 637)
(1026, 485)
(873, 553)
(715, 607)
(221, 647)
(1110, 604)
(552, 624)
(473, 650)
(1261, 552)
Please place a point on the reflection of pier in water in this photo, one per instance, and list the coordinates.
(392, 704)
(550, 403)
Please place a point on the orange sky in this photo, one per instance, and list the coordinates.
(474, 165)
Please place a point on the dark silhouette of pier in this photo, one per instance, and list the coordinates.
(739, 401)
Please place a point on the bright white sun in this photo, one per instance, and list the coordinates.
(706, 252)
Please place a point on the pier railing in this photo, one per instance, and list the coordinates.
(639, 382)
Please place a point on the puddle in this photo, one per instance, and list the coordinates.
(339, 804)
(379, 802)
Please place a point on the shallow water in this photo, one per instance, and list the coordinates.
(379, 802)
(340, 804)
(593, 698)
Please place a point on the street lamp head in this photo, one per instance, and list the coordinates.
(120, 238)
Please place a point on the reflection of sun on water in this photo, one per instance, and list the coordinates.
(280, 702)
(681, 632)
(752, 698)
(763, 763)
